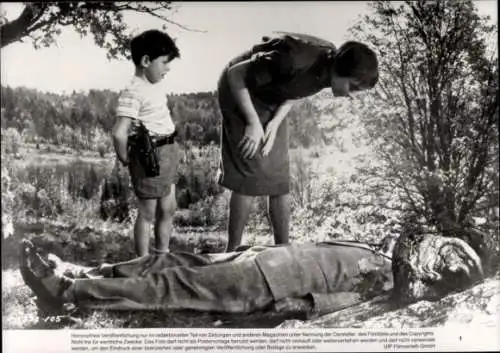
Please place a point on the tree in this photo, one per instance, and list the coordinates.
(434, 114)
(41, 22)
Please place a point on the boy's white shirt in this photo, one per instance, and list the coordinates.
(146, 102)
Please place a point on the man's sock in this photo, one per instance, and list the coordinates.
(66, 268)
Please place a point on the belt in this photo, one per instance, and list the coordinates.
(164, 140)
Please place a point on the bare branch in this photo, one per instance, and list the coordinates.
(39, 21)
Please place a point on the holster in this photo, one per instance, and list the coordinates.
(144, 149)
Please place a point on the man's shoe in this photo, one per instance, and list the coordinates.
(41, 277)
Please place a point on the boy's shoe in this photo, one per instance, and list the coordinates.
(40, 276)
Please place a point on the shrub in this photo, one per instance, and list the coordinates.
(211, 212)
(197, 175)
(102, 149)
(11, 141)
(117, 197)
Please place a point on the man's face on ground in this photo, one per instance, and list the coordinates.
(438, 267)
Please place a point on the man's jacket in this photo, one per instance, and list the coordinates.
(327, 272)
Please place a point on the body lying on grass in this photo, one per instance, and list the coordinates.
(314, 279)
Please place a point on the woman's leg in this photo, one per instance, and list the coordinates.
(279, 214)
(239, 210)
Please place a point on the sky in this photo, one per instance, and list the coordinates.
(229, 28)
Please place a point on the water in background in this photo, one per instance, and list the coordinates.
(74, 179)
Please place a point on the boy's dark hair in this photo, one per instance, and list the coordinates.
(354, 59)
(153, 43)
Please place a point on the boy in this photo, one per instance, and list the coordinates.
(255, 93)
(143, 104)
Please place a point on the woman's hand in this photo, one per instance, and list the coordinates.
(250, 143)
(273, 126)
(270, 136)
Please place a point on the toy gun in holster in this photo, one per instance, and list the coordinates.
(145, 148)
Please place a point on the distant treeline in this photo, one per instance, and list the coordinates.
(46, 116)
(84, 120)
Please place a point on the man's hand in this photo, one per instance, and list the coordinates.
(269, 137)
(293, 305)
(251, 140)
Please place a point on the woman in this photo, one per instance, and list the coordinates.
(256, 91)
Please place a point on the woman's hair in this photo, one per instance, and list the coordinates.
(354, 59)
(153, 43)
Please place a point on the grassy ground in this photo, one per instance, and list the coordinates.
(78, 236)
(88, 245)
